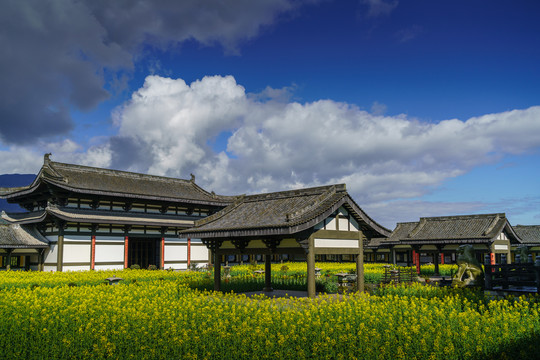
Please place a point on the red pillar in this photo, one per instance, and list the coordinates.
(93, 254)
(163, 253)
(126, 241)
(414, 257)
(188, 253)
(417, 263)
(442, 259)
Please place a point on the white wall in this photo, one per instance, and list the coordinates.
(51, 254)
(77, 252)
(109, 252)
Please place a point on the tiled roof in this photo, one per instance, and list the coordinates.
(98, 216)
(378, 242)
(283, 212)
(21, 236)
(402, 230)
(91, 180)
(454, 229)
(530, 234)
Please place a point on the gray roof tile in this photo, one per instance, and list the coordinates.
(530, 234)
(21, 236)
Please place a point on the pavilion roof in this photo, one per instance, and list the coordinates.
(99, 181)
(281, 213)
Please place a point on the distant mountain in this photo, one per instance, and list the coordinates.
(14, 180)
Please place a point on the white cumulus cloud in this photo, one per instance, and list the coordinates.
(168, 128)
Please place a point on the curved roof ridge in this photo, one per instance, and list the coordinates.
(455, 217)
(316, 202)
(295, 192)
(125, 173)
(493, 224)
(417, 228)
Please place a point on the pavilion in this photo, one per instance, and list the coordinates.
(312, 221)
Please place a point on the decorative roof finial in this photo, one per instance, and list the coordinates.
(46, 158)
(192, 178)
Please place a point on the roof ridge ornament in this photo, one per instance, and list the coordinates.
(47, 158)
(321, 198)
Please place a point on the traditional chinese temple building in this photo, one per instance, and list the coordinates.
(81, 218)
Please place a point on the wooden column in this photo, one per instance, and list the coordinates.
(442, 258)
(436, 261)
(60, 252)
(93, 253)
(126, 253)
(268, 273)
(217, 270)
(416, 259)
(162, 253)
(188, 253)
(40, 259)
(8, 259)
(311, 267)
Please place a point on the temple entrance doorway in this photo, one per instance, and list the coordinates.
(144, 252)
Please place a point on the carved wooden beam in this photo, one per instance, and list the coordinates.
(240, 244)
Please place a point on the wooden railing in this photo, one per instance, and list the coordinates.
(520, 276)
(406, 275)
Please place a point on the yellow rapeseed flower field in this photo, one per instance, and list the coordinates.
(159, 316)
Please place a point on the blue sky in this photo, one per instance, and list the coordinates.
(423, 108)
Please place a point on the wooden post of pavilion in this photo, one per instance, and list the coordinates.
(310, 257)
(217, 270)
(60, 252)
(268, 273)
(360, 264)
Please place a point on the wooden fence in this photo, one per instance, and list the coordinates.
(520, 276)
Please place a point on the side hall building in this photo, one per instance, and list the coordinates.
(435, 240)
